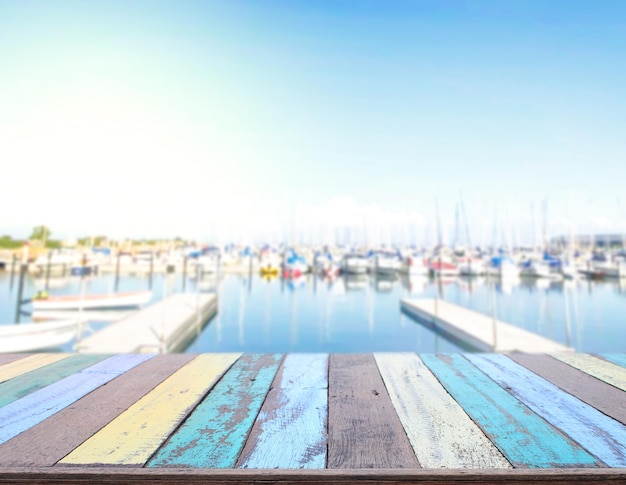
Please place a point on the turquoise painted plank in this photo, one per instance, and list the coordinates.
(524, 438)
(290, 431)
(617, 359)
(32, 381)
(30, 410)
(214, 434)
(601, 435)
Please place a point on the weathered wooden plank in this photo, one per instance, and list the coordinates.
(602, 396)
(49, 441)
(524, 438)
(190, 476)
(617, 359)
(364, 430)
(25, 384)
(134, 435)
(27, 364)
(214, 434)
(441, 434)
(600, 368)
(600, 435)
(6, 358)
(290, 431)
(30, 410)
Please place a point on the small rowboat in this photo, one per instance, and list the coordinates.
(92, 302)
(30, 337)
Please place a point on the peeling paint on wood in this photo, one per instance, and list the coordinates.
(364, 430)
(597, 433)
(599, 368)
(599, 394)
(46, 443)
(27, 364)
(524, 438)
(617, 359)
(290, 431)
(30, 410)
(32, 381)
(214, 434)
(441, 433)
(135, 435)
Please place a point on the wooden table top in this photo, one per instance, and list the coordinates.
(319, 418)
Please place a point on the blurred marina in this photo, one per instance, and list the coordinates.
(315, 299)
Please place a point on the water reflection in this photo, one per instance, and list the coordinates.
(361, 313)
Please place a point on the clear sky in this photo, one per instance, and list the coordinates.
(272, 118)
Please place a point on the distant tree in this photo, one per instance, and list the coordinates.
(40, 233)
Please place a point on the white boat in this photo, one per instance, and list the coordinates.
(354, 263)
(30, 337)
(100, 301)
(472, 267)
(502, 267)
(414, 265)
(386, 263)
(535, 268)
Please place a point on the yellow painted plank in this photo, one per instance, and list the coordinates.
(601, 369)
(27, 364)
(133, 437)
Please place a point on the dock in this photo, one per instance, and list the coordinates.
(166, 326)
(313, 418)
(477, 330)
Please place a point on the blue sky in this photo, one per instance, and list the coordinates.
(236, 118)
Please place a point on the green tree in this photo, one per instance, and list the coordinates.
(40, 233)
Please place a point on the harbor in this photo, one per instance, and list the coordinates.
(314, 301)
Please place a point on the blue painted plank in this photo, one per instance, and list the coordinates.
(37, 379)
(601, 435)
(617, 359)
(524, 438)
(290, 431)
(30, 410)
(214, 434)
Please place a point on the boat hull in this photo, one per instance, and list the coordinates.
(31, 337)
(119, 300)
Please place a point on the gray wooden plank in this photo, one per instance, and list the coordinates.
(602, 396)
(52, 439)
(6, 358)
(191, 476)
(364, 430)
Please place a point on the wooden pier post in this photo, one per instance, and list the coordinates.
(13, 262)
(49, 262)
(20, 292)
(117, 268)
(151, 270)
(184, 272)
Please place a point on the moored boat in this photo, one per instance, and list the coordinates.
(97, 301)
(31, 337)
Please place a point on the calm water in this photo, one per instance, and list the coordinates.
(363, 315)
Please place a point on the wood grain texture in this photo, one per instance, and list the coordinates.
(214, 434)
(597, 433)
(602, 396)
(524, 438)
(189, 476)
(599, 368)
(30, 410)
(32, 381)
(364, 430)
(441, 434)
(134, 435)
(617, 359)
(290, 431)
(21, 366)
(6, 358)
(49, 441)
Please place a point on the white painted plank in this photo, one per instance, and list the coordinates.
(441, 434)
